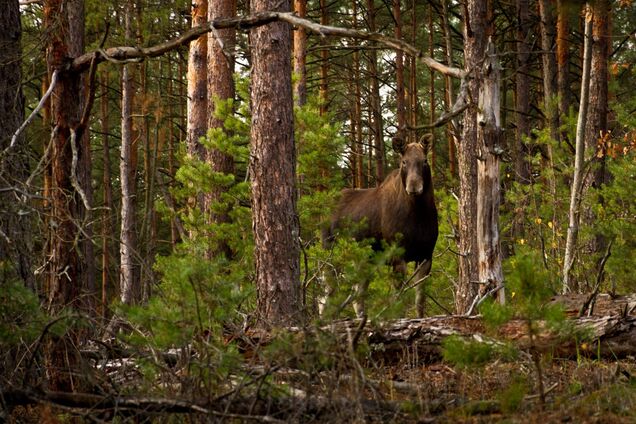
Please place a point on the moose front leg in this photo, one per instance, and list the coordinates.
(423, 269)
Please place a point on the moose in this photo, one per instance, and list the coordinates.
(401, 210)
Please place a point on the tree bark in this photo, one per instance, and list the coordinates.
(220, 88)
(399, 69)
(107, 221)
(16, 245)
(197, 104)
(375, 102)
(300, 55)
(489, 142)
(563, 56)
(323, 91)
(577, 180)
(130, 292)
(272, 170)
(475, 18)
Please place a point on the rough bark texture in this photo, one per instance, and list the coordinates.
(272, 170)
(107, 220)
(399, 68)
(300, 55)
(547, 13)
(130, 291)
(474, 45)
(197, 104)
(522, 94)
(323, 91)
(220, 88)
(63, 283)
(596, 129)
(15, 241)
(489, 138)
(610, 329)
(374, 102)
(563, 56)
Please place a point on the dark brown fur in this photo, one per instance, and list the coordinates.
(390, 210)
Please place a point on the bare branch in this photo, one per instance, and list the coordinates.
(125, 54)
(35, 111)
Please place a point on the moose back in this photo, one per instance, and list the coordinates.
(401, 209)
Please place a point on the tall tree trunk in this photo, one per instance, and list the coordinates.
(596, 129)
(375, 102)
(448, 92)
(357, 136)
(431, 86)
(130, 292)
(63, 282)
(220, 88)
(399, 69)
(323, 94)
(16, 226)
(272, 169)
(577, 180)
(300, 55)
(197, 103)
(475, 18)
(489, 148)
(563, 56)
(107, 221)
(547, 13)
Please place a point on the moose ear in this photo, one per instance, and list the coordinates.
(426, 141)
(399, 144)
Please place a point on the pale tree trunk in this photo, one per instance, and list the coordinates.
(197, 104)
(577, 180)
(272, 169)
(474, 45)
(129, 288)
(220, 88)
(489, 139)
(17, 223)
(300, 55)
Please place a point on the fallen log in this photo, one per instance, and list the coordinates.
(610, 332)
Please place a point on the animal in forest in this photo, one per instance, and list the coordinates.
(401, 210)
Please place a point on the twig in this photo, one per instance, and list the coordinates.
(40, 105)
(480, 299)
(589, 302)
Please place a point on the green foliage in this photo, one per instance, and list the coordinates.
(511, 398)
(21, 320)
(472, 353)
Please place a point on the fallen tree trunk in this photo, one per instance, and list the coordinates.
(609, 332)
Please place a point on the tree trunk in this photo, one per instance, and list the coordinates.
(300, 55)
(130, 292)
(16, 245)
(357, 110)
(563, 56)
(324, 62)
(220, 88)
(399, 69)
(596, 129)
(448, 91)
(375, 102)
(272, 169)
(107, 221)
(577, 180)
(522, 95)
(489, 142)
(475, 19)
(197, 102)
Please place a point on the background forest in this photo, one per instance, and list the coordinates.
(167, 169)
